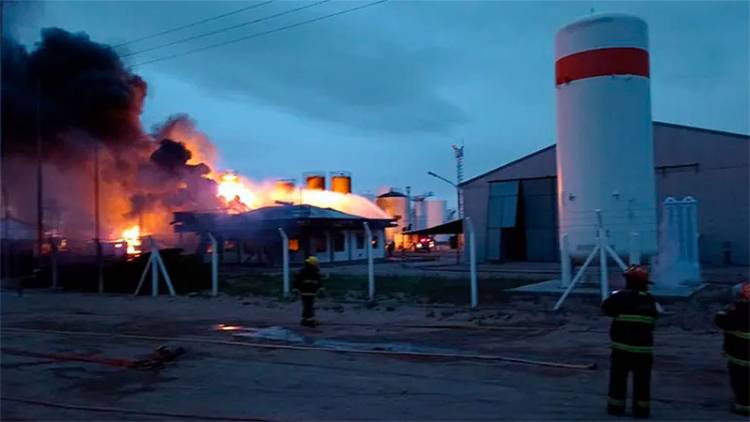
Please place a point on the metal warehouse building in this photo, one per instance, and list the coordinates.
(514, 207)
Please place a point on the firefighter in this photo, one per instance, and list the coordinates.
(308, 283)
(634, 311)
(735, 321)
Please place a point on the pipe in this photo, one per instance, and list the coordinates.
(174, 416)
(635, 249)
(565, 262)
(214, 265)
(318, 349)
(603, 273)
(370, 266)
(285, 260)
(472, 261)
(578, 276)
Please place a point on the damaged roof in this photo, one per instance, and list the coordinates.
(272, 218)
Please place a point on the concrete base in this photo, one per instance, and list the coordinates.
(587, 289)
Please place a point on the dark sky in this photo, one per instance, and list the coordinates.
(383, 92)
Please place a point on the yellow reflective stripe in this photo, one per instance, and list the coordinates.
(737, 361)
(615, 402)
(632, 349)
(741, 407)
(635, 318)
(643, 403)
(739, 334)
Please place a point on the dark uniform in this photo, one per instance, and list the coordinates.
(308, 283)
(735, 321)
(634, 312)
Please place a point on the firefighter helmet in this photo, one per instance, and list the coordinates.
(637, 274)
(742, 290)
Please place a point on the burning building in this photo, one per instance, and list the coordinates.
(79, 165)
(254, 237)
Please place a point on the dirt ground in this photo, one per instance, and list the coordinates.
(235, 381)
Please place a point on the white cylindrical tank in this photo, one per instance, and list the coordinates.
(435, 210)
(396, 205)
(420, 215)
(605, 152)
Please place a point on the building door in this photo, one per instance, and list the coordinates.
(503, 241)
(539, 215)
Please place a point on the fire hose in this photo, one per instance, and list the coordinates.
(424, 355)
(160, 357)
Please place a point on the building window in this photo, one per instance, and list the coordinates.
(360, 240)
(339, 242)
(320, 243)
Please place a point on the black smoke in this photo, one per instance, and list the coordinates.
(68, 83)
(84, 104)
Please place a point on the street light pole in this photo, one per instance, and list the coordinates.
(458, 191)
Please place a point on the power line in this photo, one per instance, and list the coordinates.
(196, 23)
(260, 34)
(228, 28)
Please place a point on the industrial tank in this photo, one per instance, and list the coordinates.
(435, 212)
(396, 205)
(341, 181)
(285, 185)
(315, 180)
(605, 154)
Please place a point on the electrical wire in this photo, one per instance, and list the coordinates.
(225, 29)
(192, 24)
(260, 34)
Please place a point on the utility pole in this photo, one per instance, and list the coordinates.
(39, 174)
(97, 238)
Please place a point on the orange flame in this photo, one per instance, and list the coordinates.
(132, 237)
(241, 195)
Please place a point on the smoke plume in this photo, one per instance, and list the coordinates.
(72, 102)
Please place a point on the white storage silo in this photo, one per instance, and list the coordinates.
(396, 205)
(605, 157)
(435, 210)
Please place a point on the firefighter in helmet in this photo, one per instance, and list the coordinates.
(634, 311)
(308, 283)
(735, 321)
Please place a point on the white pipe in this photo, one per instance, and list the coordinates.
(603, 273)
(143, 278)
(565, 262)
(469, 227)
(285, 261)
(370, 267)
(635, 249)
(164, 272)
(616, 258)
(578, 276)
(214, 265)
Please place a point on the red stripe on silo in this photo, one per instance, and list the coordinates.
(602, 62)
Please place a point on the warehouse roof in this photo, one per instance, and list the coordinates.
(663, 124)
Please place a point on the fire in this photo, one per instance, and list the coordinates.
(132, 237)
(241, 195)
(236, 195)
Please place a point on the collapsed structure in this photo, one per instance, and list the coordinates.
(254, 236)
